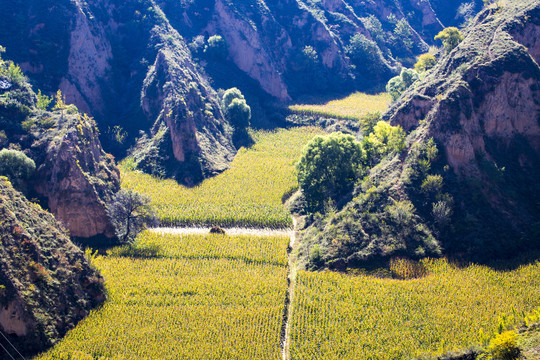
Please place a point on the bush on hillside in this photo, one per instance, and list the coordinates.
(450, 37)
(329, 168)
(397, 85)
(425, 62)
(383, 140)
(17, 167)
(216, 47)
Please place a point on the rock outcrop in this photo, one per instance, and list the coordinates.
(75, 176)
(46, 283)
(467, 184)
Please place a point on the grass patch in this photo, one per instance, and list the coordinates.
(248, 194)
(337, 316)
(353, 107)
(185, 304)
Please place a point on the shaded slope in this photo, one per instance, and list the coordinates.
(47, 285)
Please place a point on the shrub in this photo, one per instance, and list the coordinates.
(450, 37)
(366, 56)
(17, 167)
(425, 62)
(503, 347)
(130, 213)
(384, 140)
(397, 85)
(368, 122)
(236, 109)
(328, 168)
(216, 47)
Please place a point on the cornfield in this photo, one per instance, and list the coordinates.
(353, 107)
(248, 194)
(337, 316)
(204, 304)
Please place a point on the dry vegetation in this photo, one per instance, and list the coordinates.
(352, 107)
(248, 194)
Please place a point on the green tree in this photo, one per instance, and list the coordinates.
(236, 109)
(328, 168)
(239, 113)
(43, 101)
(216, 47)
(368, 122)
(17, 167)
(366, 56)
(397, 85)
(60, 102)
(130, 213)
(425, 62)
(450, 37)
(403, 35)
(385, 139)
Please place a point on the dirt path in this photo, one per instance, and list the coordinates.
(228, 231)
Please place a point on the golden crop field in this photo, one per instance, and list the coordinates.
(187, 305)
(248, 194)
(337, 316)
(352, 107)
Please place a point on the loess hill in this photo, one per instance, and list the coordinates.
(46, 283)
(467, 184)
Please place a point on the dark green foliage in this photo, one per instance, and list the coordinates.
(397, 85)
(368, 122)
(328, 169)
(130, 213)
(367, 58)
(239, 113)
(17, 167)
(216, 47)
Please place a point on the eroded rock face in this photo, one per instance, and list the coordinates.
(487, 89)
(473, 125)
(481, 104)
(183, 108)
(47, 285)
(75, 176)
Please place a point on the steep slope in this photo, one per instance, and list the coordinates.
(75, 178)
(46, 283)
(141, 65)
(472, 191)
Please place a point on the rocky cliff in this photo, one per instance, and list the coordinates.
(467, 184)
(141, 65)
(75, 178)
(46, 283)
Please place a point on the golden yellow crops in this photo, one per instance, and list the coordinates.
(248, 194)
(352, 107)
(176, 307)
(337, 316)
(269, 249)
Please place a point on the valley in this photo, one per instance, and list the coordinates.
(270, 179)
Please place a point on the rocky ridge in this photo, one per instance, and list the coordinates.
(140, 65)
(465, 187)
